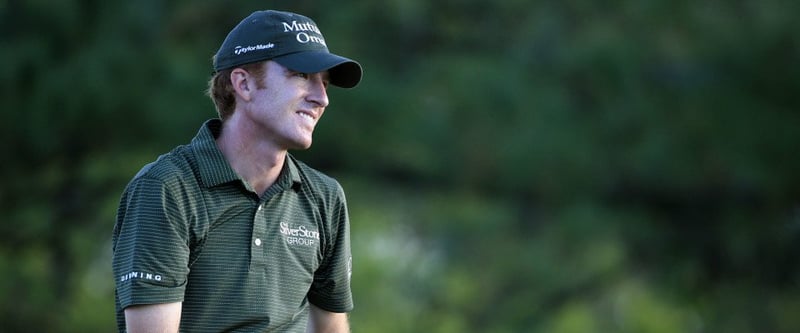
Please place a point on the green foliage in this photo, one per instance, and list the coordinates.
(511, 166)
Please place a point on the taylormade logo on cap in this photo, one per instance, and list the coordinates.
(241, 50)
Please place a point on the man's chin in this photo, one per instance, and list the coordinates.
(302, 145)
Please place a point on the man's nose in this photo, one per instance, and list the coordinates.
(318, 92)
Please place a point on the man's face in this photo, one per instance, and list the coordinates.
(288, 106)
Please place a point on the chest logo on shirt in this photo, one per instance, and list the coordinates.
(299, 235)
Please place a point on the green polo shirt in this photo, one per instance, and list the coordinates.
(190, 230)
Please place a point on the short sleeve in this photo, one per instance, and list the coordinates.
(331, 287)
(150, 245)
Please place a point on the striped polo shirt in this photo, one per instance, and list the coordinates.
(190, 230)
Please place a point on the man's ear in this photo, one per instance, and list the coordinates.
(241, 80)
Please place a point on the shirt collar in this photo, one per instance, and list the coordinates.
(293, 170)
(215, 169)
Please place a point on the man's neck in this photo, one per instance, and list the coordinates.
(258, 162)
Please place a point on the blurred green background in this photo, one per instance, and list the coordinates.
(511, 166)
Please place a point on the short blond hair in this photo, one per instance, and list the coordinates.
(220, 88)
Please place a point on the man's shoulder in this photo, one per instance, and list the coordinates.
(173, 166)
(182, 161)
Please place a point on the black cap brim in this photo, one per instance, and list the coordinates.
(344, 72)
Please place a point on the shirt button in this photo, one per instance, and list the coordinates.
(260, 207)
(257, 241)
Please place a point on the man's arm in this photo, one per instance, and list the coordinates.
(153, 318)
(321, 321)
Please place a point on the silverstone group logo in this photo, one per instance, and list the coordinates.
(299, 235)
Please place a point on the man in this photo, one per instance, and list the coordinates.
(230, 233)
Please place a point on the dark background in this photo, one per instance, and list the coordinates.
(511, 166)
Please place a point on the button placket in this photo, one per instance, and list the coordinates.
(257, 257)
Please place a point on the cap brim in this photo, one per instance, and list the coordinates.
(345, 73)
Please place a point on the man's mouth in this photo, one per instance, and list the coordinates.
(307, 115)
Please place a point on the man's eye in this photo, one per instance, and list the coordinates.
(302, 75)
